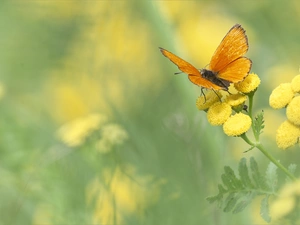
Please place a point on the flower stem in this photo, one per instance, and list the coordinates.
(273, 160)
(250, 97)
(246, 139)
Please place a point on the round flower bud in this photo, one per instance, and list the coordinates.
(250, 83)
(237, 124)
(218, 113)
(281, 96)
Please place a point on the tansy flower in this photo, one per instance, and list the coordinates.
(250, 83)
(204, 102)
(218, 113)
(287, 135)
(296, 84)
(236, 99)
(237, 124)
(75, 132)
(122, 193)
(293, 111)
(286, 201)
(111, 135)
(281, 96)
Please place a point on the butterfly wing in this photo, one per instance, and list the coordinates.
(233, 46)
(193, 74)
(236, 71)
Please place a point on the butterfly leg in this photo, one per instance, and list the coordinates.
(202, 93)
(217, 95)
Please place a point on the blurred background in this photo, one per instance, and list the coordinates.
(96, 129)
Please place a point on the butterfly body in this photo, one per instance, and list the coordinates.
(227, 65)
(213, 77)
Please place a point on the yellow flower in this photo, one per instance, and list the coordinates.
(2, 90)
(122, 193)
(237, 124)
(236, 99)
(286, 201)
(210, 98)
(287, 135)
(281, 96)
(218, 113)
(112, 134)
(296, 84)
(75, 132)
(281, 207)
(250, 83)
(293, 111)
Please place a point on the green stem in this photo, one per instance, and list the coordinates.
(273, 160)
(250, 97)
(246, 139)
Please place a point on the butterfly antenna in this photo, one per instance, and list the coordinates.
(178, 73)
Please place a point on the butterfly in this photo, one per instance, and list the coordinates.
(227, 65)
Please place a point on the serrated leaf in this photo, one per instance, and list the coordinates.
(257, 177)
(271, 176)
(264, 209)
(230, 202)
(235, 193)
(232, 179)
(219, 196)
(226, 180)
(244, 173)
(292, 168)
(244, 202)
(258, 124)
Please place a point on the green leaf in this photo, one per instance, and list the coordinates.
(271, 176)
(218, 197)
(236, 193)
(232, 179)
(257, 177)
(264, 209)
(292, 168)
(230, 202)
(258, 124)
(252, 147)
(244, 173)
(244, 202)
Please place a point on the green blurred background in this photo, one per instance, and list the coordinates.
(95, 129)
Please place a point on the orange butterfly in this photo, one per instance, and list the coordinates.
(227, 65)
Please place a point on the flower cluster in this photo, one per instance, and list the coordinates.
(76, 132)
(221, 112)
(286, 95)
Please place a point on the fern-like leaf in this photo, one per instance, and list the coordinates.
(258, 124)
(235, 194)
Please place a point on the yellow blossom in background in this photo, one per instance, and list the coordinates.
(43, 214)
(286, 201)
(250, 83)
(237, 124)
(295, 84)
(281, 96)
(203, 102)
(75, 132)
(236, 99)
(120, 194)
(293, 111)
(2, 90)
(287, 135)
(218, 113)
(111, 135)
